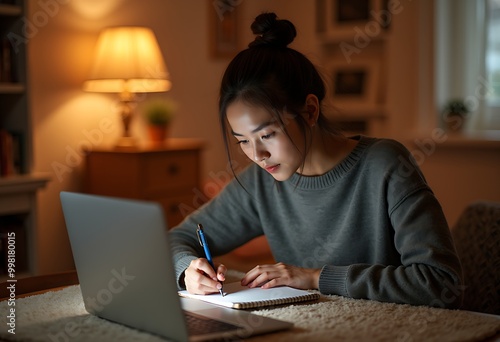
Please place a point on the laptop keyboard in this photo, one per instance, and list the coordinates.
(198, 325)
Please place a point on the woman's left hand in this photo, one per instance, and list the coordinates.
(279, 274)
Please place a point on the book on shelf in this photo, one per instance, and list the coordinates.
(11, 153)
(8, 72)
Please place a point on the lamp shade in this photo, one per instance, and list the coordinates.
(128, 60)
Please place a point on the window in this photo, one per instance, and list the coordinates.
(492, 61)
(468, 58)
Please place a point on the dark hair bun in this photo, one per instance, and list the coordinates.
(272, 31)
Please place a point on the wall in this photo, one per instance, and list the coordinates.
(66, 119)
(460, 171)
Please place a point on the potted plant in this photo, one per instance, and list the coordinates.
(455, 113)
(159, 115)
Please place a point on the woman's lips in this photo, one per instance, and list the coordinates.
(273, 168)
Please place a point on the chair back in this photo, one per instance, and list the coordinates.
(477, 240)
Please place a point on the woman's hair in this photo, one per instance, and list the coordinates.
(271, 75)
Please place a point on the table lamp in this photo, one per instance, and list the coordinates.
(127, 61)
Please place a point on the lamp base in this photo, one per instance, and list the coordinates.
(126, 142)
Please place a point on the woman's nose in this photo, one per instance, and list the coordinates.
(259, 153)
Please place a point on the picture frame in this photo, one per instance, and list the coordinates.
(340, 19)
(351, 11)
(353, 85)
(223, 30)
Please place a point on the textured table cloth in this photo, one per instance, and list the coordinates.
(61, 316)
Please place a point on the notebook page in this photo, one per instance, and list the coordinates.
(242, 297)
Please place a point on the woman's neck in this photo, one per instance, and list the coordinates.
(326, 152)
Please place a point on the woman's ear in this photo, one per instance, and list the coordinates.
(312, 110)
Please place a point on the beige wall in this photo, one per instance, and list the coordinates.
(66, 119)
(459, 172)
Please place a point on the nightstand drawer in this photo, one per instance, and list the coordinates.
(177, 208)
(169, 174)
(179, 170)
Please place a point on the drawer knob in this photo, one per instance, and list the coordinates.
(174, 208)
(173, 169)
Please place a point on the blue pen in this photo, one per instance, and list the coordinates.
(204, 244)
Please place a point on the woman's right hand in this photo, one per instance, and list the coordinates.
(200, 277)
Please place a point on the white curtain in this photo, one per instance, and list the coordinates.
(461, 32)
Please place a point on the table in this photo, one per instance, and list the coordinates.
(61, 316)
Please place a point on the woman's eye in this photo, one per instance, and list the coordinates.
(242, 142)
(267, 136)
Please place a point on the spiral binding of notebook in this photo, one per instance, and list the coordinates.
(275, 302)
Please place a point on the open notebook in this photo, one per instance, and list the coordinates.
(242, 297)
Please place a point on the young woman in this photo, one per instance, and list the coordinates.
(348, 216)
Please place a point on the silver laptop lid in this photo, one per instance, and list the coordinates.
(118, 247)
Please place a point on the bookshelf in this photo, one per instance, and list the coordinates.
(18, 184)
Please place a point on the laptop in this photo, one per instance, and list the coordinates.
(124, 265)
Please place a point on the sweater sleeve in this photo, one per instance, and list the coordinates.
(229, 220)
(429, 273)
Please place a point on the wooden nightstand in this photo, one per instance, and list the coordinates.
(168, 174)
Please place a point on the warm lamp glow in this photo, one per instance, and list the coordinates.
(127, 60)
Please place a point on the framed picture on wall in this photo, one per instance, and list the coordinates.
(354, 85)
(223, 28)
(343, 18)
(350, 11)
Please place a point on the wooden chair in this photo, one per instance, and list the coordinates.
(477, 240)
(39, 284)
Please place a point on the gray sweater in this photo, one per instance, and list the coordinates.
(371, 224)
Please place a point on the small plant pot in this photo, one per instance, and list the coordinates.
(455, 114)
(157, 133)
(455, 122)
